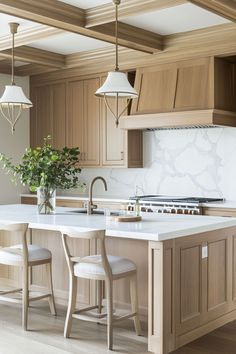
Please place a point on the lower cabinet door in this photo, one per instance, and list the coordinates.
(203, 271)
(189, 299)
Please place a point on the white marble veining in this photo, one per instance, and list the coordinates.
(192, 162)
(154, 227)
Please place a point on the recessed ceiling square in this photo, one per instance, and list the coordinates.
(68, 43)
(181, 18)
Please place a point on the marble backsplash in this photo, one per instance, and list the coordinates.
(193, 162)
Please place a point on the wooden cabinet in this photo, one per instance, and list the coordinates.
(187, 85)
(204, 268)
(71, 113)
(83, 120)
(192, 287)
(48, 115)
(120, 148)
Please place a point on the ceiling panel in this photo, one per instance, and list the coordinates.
(186, 17)
(68, 43)
(86, 4)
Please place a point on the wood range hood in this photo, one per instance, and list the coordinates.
(208, 118)
(188, 94)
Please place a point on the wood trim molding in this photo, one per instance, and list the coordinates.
(105, 13)
(37, 56)
(223, 8)
(28, 36)
(68, 18)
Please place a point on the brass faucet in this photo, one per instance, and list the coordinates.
(90, 205)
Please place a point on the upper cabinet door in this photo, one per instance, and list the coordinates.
(48, 115)
(75, 115)
(83, 120)
(91, 125)
(41, 115)
(58, 107)
(114, 139)
(156, 87)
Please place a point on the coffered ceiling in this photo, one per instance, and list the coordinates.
(63, 34)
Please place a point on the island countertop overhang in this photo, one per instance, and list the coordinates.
(153, 227)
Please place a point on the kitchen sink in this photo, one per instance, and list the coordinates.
(95, 212)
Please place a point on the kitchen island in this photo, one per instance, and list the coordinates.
(191, 266)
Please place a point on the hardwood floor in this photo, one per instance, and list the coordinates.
(46, 336)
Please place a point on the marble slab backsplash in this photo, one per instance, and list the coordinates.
(193, 162)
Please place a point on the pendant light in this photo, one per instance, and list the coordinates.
(13, 100)
(116, 85)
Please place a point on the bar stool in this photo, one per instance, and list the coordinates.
(101, 267)
(26, 256)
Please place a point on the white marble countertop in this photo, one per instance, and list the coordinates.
(153, 227)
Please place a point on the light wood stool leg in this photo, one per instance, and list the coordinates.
(109, 314)
(71, 305)
(134, 303)
(25, 295)
(100, 295)
(50, 287)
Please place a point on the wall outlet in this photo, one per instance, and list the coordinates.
(204, 252)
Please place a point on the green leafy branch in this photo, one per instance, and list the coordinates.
(46, 167)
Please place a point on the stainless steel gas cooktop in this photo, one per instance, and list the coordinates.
(172, 204)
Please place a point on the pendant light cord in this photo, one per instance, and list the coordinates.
(13, 59)
(13, 29)
(116, 34)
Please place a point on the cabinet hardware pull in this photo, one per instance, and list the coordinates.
(122, 155)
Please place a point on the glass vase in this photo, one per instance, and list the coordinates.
(46, 200)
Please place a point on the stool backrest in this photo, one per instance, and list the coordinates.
(89, 235)
(19, 228)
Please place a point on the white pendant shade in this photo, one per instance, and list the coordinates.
(14, 95)
(117, 84)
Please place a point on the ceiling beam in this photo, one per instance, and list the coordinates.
(28, 36)
(131, 34)
(214, 41)
(105, 13)
(68, 18)
(37, 56)
(223, 8)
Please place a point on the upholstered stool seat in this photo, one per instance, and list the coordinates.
(92, 265)
(14, 254)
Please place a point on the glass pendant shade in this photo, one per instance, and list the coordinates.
(14, 96)
(117, 84)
